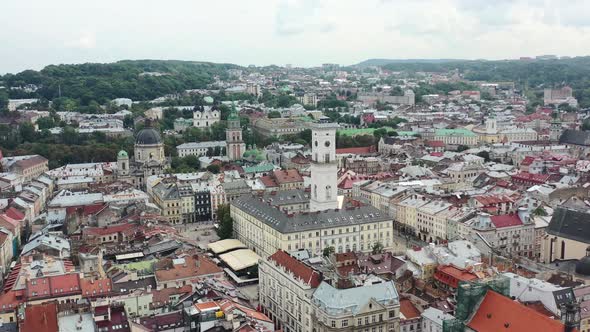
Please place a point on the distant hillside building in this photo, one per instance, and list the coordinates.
(408, 98)
(204, 117)
(560, 96)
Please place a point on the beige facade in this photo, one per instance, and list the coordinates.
(265, 240)
(285, 298)
(367, 312)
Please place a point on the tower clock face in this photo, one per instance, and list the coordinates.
(327, 143)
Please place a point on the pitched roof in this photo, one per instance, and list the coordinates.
(93, 288)
(111, 229)
(506, 220)
(357, 150)
(40, 318)
(408, 309)
(299, 269)
(576, 137)
(570, 224)
(188, 267)
(14, 213)
(30, 162)
(499, 313)
(287, 176)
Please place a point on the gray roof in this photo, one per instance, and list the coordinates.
(47, 240)
(270, 214)
(166, 190)
(570, 224)
(576, 137)
(351, 300)
(148, 136)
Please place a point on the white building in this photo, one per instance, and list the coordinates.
(199, 148)
(286, 286)
(205, 117)
(432, 320)
(324, 168)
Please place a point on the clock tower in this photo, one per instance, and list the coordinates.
(324, 167)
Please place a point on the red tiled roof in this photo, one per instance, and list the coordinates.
(450, 275)
(162, 297)
(206, 305)
(194, 267)
(8, 223)
(525, 176)
(506, 220)
(527, 161)
(268, 182)
(14, 213)
(357, 150)
(435, 144)
(300, 270)
(111, 229)
(93, 288)
(229, 305)
(407, 308)
(54, 286)
(499, 313)
(87, 209)
(493, 199)
(30, 162)
(10, 300)
(287, 176)
(40, 318)
(345, 256)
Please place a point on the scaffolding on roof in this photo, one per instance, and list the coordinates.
(469, 295)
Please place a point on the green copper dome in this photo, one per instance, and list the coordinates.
(122, 154)
(233, 115)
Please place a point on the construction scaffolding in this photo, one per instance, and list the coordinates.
(469, 295)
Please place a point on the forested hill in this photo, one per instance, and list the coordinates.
(527, 74)
(98, 82)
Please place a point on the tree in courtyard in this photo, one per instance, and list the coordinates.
(377, 248)
(328, 251)
(226, 223)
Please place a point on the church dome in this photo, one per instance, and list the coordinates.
(122, 154)
(148, 136)
(583, 265)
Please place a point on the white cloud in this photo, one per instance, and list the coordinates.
(86, 40)
(301, 32)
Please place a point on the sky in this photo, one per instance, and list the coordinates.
(35, 33)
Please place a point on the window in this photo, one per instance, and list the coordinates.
(359, 321)
(333, 323)
(345, 323)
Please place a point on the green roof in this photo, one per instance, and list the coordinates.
(361, 131)
(147, 266)
(454, 132)
(233, 115)
(183, 120)
(122, 154)
(259, 168)
(208, 100)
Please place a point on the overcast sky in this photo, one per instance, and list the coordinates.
(35, 33)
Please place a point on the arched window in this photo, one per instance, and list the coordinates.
(315, 191)
(328, 192)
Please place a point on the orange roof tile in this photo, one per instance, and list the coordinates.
(194, 267)
(408, 309)
(499, 313)
(40, 318)
(300, 270)
(94, 288)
